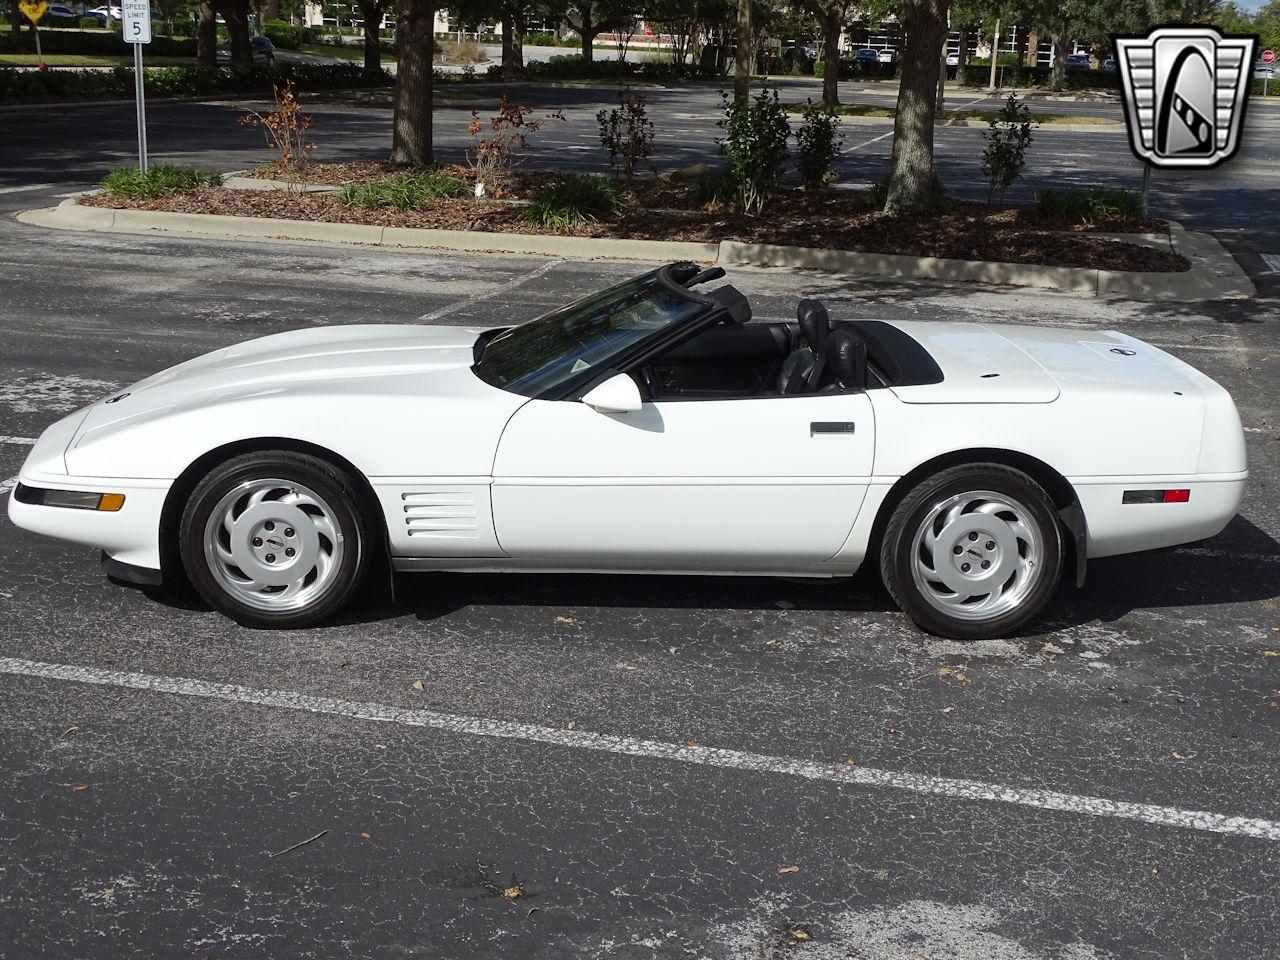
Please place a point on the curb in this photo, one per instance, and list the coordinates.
(1214, 273)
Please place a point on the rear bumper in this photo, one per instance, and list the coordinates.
(1116, 527)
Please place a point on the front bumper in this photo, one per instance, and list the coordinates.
(130, 535)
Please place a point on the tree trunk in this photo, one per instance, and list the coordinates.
(15, 18)
(1060, 57)
(831, 56)
(924, 22)
(963, 53)
(411, 125)
(995, 55)
(236, 13)
(743, 53)
(372, 16)
(513, 66)
(207, 35)
(1032, 58)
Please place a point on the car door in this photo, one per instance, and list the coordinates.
(766, 483)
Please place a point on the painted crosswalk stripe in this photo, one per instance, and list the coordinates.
(860, 776)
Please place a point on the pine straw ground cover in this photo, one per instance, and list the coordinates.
(672, 210)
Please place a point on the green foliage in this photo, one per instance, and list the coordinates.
(410, 191)
(1086, 206)
(626, 132)
(977, 75)
(99, 42)
(754, 146)
(159, 181)
(545, 38)
(716, 187)
(1006, 139)
(573, 199)
(91, 23)
(286, 36)
(858, 69)
(573, 67)
(817, 144)
(19, 85)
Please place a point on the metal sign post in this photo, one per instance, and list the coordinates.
(33, 10)
(136, 16)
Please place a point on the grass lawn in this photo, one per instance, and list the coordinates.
(91, 60)
(354, 50)
(867, 110)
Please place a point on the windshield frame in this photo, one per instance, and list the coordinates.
(576, 385)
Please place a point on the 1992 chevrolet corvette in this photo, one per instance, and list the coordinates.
(649, 428)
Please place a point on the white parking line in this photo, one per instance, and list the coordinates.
(20, 441)
(867, 143)
(24, 189)
(7, 485)
(501, 288)
(657, 750)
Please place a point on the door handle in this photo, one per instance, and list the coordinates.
(830, 426)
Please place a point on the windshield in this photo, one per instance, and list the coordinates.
(547, 352)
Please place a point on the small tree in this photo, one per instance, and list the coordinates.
(493, 156)
(1007, 137)
(626, 132)
(754, 146)
(817, 144)
(287, 129)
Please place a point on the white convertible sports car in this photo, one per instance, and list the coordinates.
(648, 428)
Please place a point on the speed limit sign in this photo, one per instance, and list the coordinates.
(136, 16)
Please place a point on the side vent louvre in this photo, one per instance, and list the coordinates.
(448, 514)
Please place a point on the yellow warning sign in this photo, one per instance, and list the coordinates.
(33, 10)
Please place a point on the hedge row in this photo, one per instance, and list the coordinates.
(979, 75)
(859, 70)
(190, 81)
(288, 37)
(573, 67)
(99, 43)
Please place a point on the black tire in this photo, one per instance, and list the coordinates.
(338, 492)
(899, 561)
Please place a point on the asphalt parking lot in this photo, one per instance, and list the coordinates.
(575, 766)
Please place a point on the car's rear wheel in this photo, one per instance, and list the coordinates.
(275, 539)
(973, 552)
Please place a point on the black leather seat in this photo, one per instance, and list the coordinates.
(846, 362)
(802, 370)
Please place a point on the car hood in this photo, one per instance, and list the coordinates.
(984, 363)
(392, 361)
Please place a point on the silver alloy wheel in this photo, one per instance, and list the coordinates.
(273, 545)
(977, 555)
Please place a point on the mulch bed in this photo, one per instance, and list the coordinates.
(670, 210)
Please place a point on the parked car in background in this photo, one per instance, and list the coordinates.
(1109, 65)
(953, 59)
(60, 10)
(866, 56)
(261, 49)
(1264, 71)
(886, 56)
(1077, 61)
(104, 13)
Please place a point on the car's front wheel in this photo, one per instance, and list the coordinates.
(275, 539)
(973, 552)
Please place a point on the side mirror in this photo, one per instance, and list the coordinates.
(618, 394)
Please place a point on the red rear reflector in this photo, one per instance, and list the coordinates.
(1177, 496)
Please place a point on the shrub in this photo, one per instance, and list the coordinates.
(492, 157)
(409, 191)
(1086, 206)
(716, 187)
(1007, 137)
(96, 42)
(626, 133)
(91, 23)
(159, 181)
(286, 129)
(286, 36)
(817, 144)
(573, 199)
(754, 146)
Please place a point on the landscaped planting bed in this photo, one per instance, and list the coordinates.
(668, 209)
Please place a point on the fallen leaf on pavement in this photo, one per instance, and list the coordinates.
(1177, 756)
(69, 730)
(692, 743)
(782, 870)
(944, 671)
(1271, 653)
(948, 709)
(800, 933)
(80, 786)
(671, 650)
(366, 834)
(514, 892)
(417, 685)
(571, 725)
(566, 619)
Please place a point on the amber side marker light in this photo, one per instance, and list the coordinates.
(1156, 496)
(72, 499)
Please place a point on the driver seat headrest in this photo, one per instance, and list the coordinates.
(847, 359)
(815, 324)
